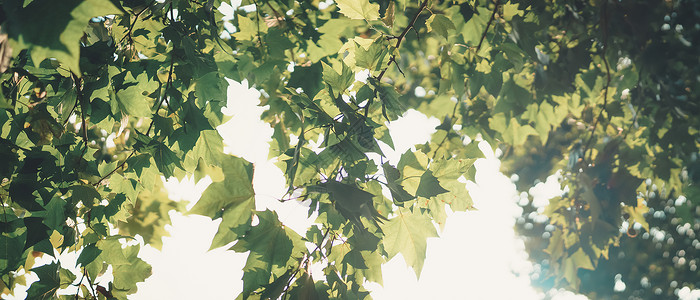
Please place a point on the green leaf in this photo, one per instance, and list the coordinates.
(636, 214)
(389, 17)
(351, 202)
(209, 146)
(359, 9)
(439, 24)
(407, 234)
(458, 198)
(55, 213)
(132, 99)
(371, 58)
(52, 29)
(232, 200)
(211, 87)
(451, 168)
(393, 177)
(429, 186)
(308, 78)
(87, 255)
(338, 82)
(166, 160)
(85, 193)
(354, 258)
(513, 133)
(273, 248)
(392, 108)
(127, 275)
(49, 282)
(66, 277)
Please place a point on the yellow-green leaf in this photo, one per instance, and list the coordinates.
(359, 9)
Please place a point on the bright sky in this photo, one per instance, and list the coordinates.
(477, 255)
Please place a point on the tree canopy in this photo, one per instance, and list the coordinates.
(100, 98)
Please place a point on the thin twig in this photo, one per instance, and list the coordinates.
(318, 246)
(452, 119)
(306, 261)
(115, 169)
(636, 113)
(89, 283)
(257, 24)
(83, 110)
(131, 24)
(604, 24)
(291, 277)
(168, 85)
(392, 59)
(493, 17)
(277, 15)
(78, 285)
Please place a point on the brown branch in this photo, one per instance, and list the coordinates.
(131, 24)
(493, 17)
(392, 59)
(277, 15)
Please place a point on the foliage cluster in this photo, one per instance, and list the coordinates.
(100, 98)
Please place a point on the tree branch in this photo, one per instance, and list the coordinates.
(604, 24)
(392, 59)
(493, 17)
(131, 24)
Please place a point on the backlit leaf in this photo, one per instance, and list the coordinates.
(359, 9)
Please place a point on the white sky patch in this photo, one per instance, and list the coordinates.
(245, 135)
(543, 191)
(185, 269)
(477, 255)
(478, 252)
(410, 129)
(228, 9)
